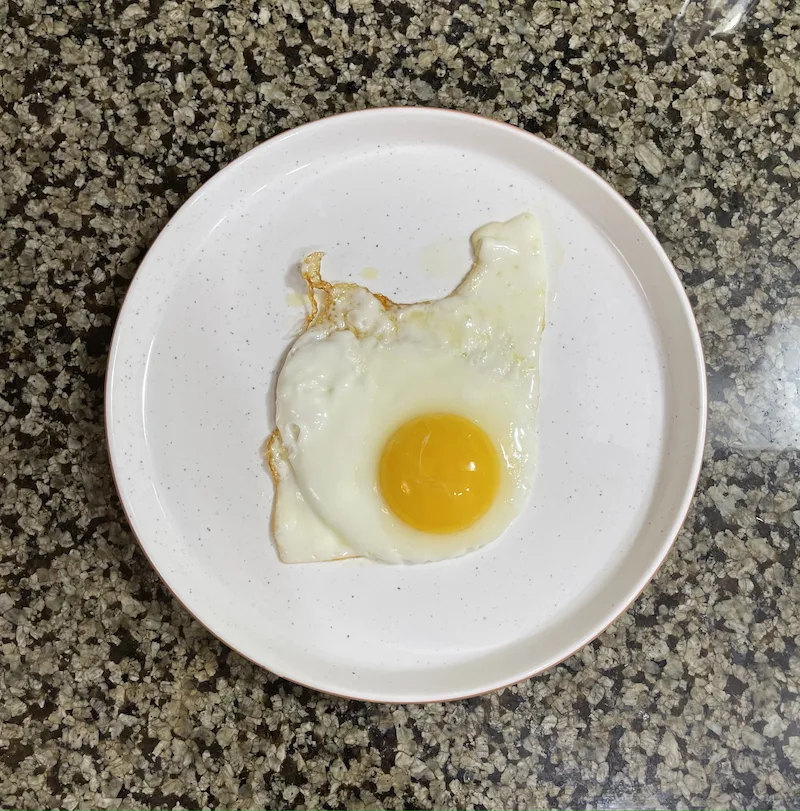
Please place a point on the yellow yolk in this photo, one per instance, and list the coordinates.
(439, 473)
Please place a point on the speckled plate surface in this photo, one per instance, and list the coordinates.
(392, 196)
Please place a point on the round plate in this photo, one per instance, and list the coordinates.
(397, 193)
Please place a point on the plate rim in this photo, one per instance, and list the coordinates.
(690, 487)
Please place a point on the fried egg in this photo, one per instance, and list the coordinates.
(406, 433)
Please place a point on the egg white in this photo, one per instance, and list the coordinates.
(364, 366)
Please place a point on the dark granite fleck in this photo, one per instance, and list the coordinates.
(111, 114)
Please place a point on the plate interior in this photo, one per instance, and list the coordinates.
(392, 197)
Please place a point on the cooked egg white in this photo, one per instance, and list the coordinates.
(406, 433)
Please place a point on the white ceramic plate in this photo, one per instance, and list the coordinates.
(211, 313)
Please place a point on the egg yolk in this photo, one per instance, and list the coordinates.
(439, 473)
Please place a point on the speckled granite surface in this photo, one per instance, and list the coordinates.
(110, 695)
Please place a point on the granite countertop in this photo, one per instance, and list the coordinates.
(112, 696)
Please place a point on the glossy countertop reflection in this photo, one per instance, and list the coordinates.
(111, 115)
